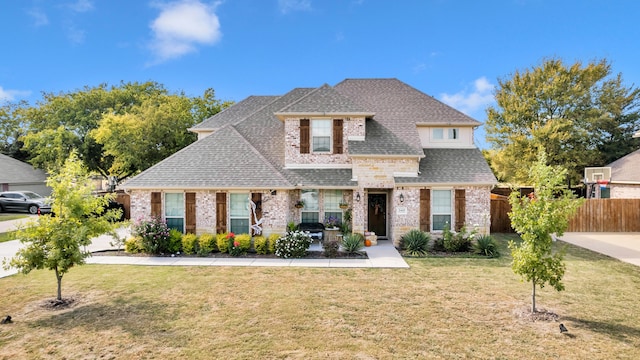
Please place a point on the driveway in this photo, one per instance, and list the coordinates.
(622, 246)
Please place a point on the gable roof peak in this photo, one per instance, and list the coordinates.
(324, 100)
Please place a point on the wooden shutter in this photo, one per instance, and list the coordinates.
(257, 199)
(221, 213)
(460, 208)
(337, 136)
(156, 204)
(304, 136)
(190, 213)
(425, 210)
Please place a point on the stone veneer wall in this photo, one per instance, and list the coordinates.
(351, 127)
(477, 210)
(624, 191)
(140, 207)
(205, 212)
(378, 172)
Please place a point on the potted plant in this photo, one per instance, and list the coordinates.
(343, 205)
(299, 204)
(331, 223)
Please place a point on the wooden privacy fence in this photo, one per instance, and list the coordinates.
(595, 215)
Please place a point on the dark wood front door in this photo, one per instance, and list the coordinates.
(377, 214)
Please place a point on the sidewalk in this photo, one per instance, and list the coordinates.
(622, 246)
(383, 255)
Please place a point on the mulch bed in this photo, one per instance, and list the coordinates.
(249, 255)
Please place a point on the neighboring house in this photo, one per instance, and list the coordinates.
(400, 159)
(16, 175)
(625, 177)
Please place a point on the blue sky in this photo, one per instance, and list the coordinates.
(452, 50)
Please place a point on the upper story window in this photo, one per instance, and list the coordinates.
(449, 134)
(321, 135)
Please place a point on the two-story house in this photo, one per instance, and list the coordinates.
(399, 158)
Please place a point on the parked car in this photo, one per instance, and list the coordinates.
(24, 201)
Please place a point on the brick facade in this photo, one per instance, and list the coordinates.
(623, 191)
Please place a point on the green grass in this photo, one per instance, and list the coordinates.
(7, 217)
(449, 308)
(6, 236)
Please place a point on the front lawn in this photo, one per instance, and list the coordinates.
(439, 308)
(7, 217)
(7, 236)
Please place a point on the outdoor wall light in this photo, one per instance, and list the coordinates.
(358, 197)
(401, 198)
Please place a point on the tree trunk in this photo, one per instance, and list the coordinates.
(533, 297)
(59, 277)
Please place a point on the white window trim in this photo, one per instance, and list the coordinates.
(230, 217)
(445, 134)
(184, 208)
(451, 204)
(330, 136)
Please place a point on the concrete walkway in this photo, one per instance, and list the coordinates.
(383, 255)
(622, 246)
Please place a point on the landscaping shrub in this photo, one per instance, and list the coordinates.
(133, 245)
(175, 241)
(189, 243)
(272, 242)
(154, 235)
(245, 241)
(206, 244)
(415, 243)
(293, 245)
(260, 245)
(456, 242)
(352, 243)
(486, 245)
(222, 241)
(331, 248)
(234, 246)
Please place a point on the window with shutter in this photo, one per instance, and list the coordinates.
(190, 213)
(221, 213)
(156, 204)
(425, 210)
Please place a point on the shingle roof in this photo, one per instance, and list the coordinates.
(627, 168)
(452, 166)
(333, 178)
(17, 172)
(235, 113)
(381, 141)
(224, 159)
(324, 100)
(399, 107)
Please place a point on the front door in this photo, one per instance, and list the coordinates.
(377, 214)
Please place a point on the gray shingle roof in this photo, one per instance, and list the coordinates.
(399, 107)
(224, 159)
(14, 171)
(627, 168)
(452, 166)
(247, 151)
(325, 100)
(235, 113)
(379, 140)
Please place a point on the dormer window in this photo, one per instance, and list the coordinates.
(445, 134)
(321, 135)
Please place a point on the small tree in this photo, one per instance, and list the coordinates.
(547, 211)
(59, 242)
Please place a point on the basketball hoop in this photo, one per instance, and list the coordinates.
(603, 183)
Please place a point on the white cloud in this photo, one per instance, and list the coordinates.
(287, 6)
(11, 95)
(181, 26)
(81, 6)
(75, 35)
(470, 101)
(39, 17)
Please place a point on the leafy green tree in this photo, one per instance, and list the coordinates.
(535, 218)
(581, 115)
(12, 128)
(63, 122)
(58, 242)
